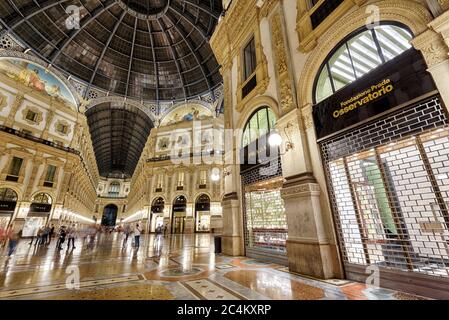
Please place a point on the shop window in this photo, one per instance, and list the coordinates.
(360, 54)
(260, 123)
(50, 176)
(14, 169)
(266, 223)
(249, 59)
(114, 189)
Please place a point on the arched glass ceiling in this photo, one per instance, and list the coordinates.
(362, 53)
(119, 134)
(144, 49)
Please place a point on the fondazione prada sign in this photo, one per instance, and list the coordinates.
(396, 82)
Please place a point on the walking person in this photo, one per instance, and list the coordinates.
(2, 236)
(127, 232)
(71, 235)
(51, 234)
(13, 238)
(62, 236)
(137, 231)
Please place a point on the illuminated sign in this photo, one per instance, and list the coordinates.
(392, 84)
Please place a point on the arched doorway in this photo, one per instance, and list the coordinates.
(109, 217)
(38, 215)
(202, 213)
(157, 214)
(179, 214)
(8, 202)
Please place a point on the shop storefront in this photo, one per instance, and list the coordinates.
(179, 214)
(265, 223)
(8, 202)
(202, 214)
(38, 215)
(157, 215)
(384, 138)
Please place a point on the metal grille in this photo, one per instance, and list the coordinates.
(391, 199)
(264, 213)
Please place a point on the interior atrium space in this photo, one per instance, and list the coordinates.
(224, 150)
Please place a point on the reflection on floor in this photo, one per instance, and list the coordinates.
(176, 267)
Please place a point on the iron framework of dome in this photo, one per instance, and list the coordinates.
(119, 133)
(150, 50)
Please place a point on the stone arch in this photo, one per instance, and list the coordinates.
(14, 188)
(409, 13)
(50, 194)
(117, 99)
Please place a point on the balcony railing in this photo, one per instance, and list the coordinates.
(36, 139)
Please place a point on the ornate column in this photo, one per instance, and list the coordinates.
(37, 161)
(434, 45)
(15, 106)
(232, 236)
(311, 248)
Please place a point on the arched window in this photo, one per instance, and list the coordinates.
(42, 198)
(360, 54)
(7, 194)
(259, 124)
(114, 189)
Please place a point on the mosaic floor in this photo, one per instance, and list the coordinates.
(176, 267)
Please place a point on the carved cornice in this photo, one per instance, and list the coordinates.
(432, 46)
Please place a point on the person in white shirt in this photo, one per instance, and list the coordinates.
(137, 232)
(71, 234)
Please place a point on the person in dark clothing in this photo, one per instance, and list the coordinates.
(62, 235)
(52, 232)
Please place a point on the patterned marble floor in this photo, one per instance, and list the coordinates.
(180, 267)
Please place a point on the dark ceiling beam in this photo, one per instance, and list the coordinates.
(28, 16)
(195, 53)
(174, 57)
(131, 57)
(187, 18)
(203, 8)
(83, 24)
(155, 66)
(97, 64)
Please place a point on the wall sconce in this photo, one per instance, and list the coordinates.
(275, 139)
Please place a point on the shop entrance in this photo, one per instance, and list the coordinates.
(109, 215)
(8, 202)
(179, 214)
(202, 213)
(37, 217)
(157, 215)
(391, 201)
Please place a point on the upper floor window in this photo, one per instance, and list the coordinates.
(203, 177)
(260, 123)
(360, 54)
(50, 176)
(160, 181)
(14, 169)
(62, 128)
(31, 115)
(249, 59)
(114, 189)
(181, 177)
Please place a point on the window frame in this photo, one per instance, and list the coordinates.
(255, 114)
(344, 43)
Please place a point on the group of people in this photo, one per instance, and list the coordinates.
(128, 230)
(43, 235)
